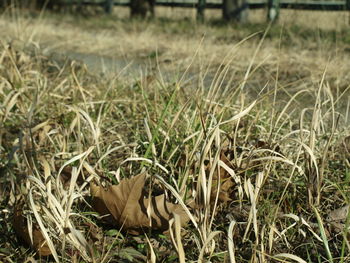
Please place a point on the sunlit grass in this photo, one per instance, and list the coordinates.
(256, 154)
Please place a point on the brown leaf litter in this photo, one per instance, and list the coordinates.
(125, 205)
(225, 179)
(20, 226)
(337, 218)
(222, 181)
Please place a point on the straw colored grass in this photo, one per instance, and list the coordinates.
(261, 107)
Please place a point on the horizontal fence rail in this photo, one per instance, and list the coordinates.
(331, 6)
(232, 9)
(336, 6)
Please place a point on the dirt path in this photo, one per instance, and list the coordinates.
(137, 68)
(108, 65)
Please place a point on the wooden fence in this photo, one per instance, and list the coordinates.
(236, 6)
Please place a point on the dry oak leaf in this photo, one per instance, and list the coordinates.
(125, 205)
(337, 218)
(225, 180)
(20, 226)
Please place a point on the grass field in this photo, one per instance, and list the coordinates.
(228, 143)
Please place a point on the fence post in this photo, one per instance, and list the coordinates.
(200, 10)
(235, 9)
(108, 6)
(347, 7)
(273, 10)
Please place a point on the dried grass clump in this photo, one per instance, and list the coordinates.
(255, 181)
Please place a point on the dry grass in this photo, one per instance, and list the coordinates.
(299, 51)
(269, 111)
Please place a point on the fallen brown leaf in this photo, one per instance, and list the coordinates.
(337, 218)
(21, 228)
(220, 176)
(226, 181)
(125, 205)
(66, 176)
